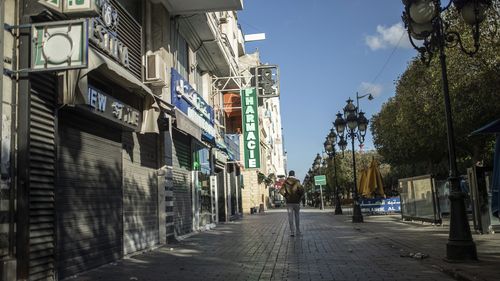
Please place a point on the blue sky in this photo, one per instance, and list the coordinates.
(327, 51)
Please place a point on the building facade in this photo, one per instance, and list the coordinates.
(127, 143)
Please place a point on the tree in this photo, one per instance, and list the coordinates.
(410, 130)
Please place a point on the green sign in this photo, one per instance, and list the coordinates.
(251, 142)
(320, 180)
(59, 45)
(74, 7)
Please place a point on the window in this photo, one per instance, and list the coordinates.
(183, 57)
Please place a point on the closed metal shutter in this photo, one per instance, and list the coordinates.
(89, 195)
(42, 174)
(221, 192)
(181, 177)
(140, 192)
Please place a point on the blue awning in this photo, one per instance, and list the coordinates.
(207, 137)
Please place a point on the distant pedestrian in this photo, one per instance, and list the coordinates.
(293, 192)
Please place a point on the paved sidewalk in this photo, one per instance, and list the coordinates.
(259, 247)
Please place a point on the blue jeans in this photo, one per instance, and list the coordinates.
(293, 216)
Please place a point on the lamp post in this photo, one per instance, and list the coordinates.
(358, 97)
(356, 124)
(316, 166)
(329, 144)
(423, 21)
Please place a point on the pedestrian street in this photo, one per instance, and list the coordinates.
(259, 247)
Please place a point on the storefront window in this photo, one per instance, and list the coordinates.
(202, 166)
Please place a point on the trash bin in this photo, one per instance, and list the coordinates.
(261, 208)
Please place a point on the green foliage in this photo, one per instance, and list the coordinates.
(410, 130)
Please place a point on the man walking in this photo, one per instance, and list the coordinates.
(293, 191)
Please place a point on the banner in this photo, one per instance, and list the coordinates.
(251, 142)
(381, 205)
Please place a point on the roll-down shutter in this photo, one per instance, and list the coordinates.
(89, 195)
(181, 176)
(42, 175)
(140, 191)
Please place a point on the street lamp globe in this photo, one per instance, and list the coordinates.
(350, 107)
(420, 31)
(328, 146)
(352, 120)
(332, 136)
(423, 11)
(342, 143)
(339, 124)
(362, 123)
(472, 11)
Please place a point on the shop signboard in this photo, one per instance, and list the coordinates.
(112, 109)
(59, 45)
(266, 80)
(103, 33)
(187, 100)
(251, 138)
(74, 7)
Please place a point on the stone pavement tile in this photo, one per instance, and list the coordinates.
(432, 239)
(259, 248)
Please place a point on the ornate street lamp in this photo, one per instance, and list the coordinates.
(329, 144)
(423, 21)
(316, 167)
(356, 129)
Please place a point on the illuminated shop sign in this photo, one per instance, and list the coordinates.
(112, 109)
(73, 7)
(266, 80)
(59, 45)
(251, 141)
(187, 100)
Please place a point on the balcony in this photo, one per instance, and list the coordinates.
(202, 33)
(179, 7)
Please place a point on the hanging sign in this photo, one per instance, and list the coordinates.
(266, 80)
(73, 7)
(59, 45)
(251, 140)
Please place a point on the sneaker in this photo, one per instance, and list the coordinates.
(292, 234)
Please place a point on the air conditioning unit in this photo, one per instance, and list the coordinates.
(156, 70)
(223, 17)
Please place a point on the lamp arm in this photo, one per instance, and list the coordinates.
(453, 39)
(420, 49)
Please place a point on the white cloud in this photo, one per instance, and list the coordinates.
(385, 37)
(374, 89)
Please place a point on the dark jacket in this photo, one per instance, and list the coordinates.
(292, 190)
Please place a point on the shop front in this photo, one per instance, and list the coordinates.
(88, 169)
(192, 138)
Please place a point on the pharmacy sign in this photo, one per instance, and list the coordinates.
(251, 142)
